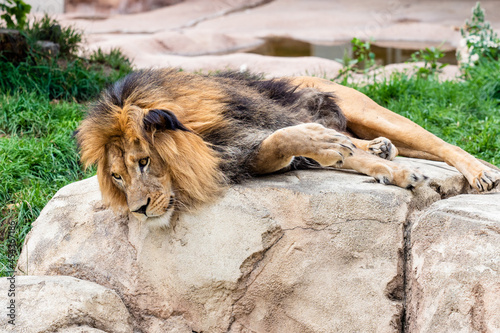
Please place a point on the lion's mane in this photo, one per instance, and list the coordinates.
(121, 114)
(206, 129)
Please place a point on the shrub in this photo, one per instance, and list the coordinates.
(48, 29)
(479, 41)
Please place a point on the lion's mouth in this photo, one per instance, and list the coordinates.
(157, 218)
(171, 203)
(162, 221)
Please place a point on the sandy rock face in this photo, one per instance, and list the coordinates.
(187, 34)
(454, 275)
(105, 7)
(63, 304)
(308, 251)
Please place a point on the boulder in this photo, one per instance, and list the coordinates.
(61, 304)
(305, 251)
(454, 272)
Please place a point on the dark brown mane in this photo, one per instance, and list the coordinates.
(206, 128)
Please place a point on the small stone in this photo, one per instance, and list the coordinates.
(48, 47)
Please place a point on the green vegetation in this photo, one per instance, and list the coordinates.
(37, 157)
(65, 76)
(42, 100)
(430, 57)
(49, 29)
(17, 9)
(361, 61)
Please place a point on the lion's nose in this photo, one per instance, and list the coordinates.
(142, 209)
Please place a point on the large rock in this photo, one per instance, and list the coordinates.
(454, 275)
(308, 251)
(60, 304)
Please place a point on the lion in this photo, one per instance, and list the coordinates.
(167, 141)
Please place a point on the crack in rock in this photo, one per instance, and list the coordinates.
(221, 13)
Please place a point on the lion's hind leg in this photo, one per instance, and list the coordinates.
(383, 170)
(368, 120)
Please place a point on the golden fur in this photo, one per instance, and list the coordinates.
(165, 140)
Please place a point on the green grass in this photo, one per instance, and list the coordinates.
(37, 157)
(464, 113)
(70, 79)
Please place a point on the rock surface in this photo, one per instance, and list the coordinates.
(106, 7)
(62, 304)
(189, 33)
(454, 274)
(46, 6)
(306, 251)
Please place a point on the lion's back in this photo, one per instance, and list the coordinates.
(233, 112)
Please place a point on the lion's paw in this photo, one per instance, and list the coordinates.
(404, 177)
(324, 145)
(487, 180)
(383, 147)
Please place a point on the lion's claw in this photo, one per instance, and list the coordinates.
(487, 180)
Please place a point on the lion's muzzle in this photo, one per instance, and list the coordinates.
(156, 205)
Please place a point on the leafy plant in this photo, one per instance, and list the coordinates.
(362, 59)
(362, 54)
(479, 41)
(430, 56)
(15, 8)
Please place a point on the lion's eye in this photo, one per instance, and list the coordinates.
(116, 176)
(143, 162)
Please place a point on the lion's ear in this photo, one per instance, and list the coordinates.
(161, 120)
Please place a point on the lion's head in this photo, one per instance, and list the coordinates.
(147, 160)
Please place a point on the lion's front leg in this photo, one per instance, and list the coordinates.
(324, 145)
(329, 148)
